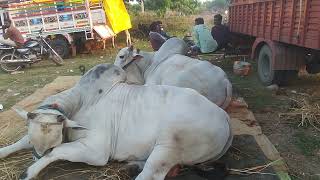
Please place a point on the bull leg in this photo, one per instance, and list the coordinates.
(23, 143)
(159, 163)
(74, 152)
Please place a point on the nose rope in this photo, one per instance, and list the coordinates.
(35, 154)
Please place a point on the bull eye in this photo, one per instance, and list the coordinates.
(60, 118)
(121, 57)
(31, 115)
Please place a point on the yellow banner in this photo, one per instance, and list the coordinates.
(117, 15)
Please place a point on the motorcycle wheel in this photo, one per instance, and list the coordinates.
(54, 56)
(9, 67)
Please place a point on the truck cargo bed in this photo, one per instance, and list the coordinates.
(295, 22)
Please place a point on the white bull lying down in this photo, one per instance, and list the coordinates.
(101, 119)
(169, 67)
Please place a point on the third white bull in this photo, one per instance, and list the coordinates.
(169, 66)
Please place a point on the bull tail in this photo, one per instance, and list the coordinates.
(228, 94)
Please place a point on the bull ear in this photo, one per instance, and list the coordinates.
(137, 55)
(131, 48)
(73, 125)
(21, 112)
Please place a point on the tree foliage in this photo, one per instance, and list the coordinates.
(160, 6)
(183, 6)
(216, 4)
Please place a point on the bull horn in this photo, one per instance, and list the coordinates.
(21, 112)
(131, 48)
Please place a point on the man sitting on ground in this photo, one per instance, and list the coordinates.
(220, 32)
(12, 36)
(162, 32)
(204, 42)
(155, 35)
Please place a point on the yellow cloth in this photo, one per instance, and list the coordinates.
(117, 15)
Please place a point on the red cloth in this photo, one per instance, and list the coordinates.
(15, 35)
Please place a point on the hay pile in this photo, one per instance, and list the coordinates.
(304, 110)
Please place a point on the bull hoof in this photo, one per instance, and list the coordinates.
(132, 170)
(24, 175)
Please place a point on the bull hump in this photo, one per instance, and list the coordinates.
(101, 69)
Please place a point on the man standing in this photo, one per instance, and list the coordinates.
(203, 39)
(220, 32)
(12, 36)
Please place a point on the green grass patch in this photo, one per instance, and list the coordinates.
(306, 143)
(250, 88)
(14, 88)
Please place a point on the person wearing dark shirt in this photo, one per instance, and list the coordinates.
(162, 32)
(12, 36)
(220, 32)
(155, 36)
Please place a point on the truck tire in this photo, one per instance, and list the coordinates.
(266, 73)
(61, 47)
(265, 70)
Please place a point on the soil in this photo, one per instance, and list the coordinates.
(282, 133)
(299, 146)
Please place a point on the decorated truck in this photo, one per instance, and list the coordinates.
(284, 35)
(67, 23)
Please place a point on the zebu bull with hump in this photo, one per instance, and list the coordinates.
(169, 66)
(102, 119)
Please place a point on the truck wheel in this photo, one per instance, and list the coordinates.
(61, 47)
(265, 70)
(266, 73)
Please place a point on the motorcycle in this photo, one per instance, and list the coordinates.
(33, 51)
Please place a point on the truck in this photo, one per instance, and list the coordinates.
(66, 23)
(284, 36)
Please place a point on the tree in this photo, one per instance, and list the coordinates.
(142, 6)
(216, 4)
(185, 6)
(160, 6)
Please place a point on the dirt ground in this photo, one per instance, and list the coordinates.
(299, 146)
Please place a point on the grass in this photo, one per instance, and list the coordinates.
(308, 145)
(250, 88)
(15, 87)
